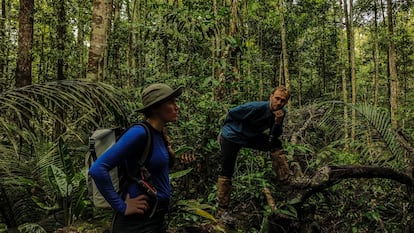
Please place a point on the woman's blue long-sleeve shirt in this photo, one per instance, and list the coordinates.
(248, 120)
(129, 148)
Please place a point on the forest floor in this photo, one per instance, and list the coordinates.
(246, 220)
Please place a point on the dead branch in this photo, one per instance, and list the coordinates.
(270, 200)
(308, 121)
(329, 176)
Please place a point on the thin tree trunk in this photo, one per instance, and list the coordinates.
(81, 37)
(141, 57)
(59, 128)
(109, 16)
(61, 36)
(392, 68)
(226, 54)
(376, 55)
(280, 80)
(8, 33)
(98, 41)
(351, 55)
(115, 64)
(215, 54)
(132, 45)
(3, 18)
(285, 57)
(42, 56)
(25, 44)
(343, 75)
(284, 45)
(234, 52)
(261, 74)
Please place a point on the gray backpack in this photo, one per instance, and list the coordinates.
(100, 141)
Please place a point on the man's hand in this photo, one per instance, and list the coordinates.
(137, 205)
(279, 115)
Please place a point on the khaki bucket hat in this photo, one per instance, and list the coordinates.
(156, 93)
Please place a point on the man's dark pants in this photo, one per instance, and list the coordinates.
(230, 150)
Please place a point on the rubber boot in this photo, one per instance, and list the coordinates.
(224, 187)
(280, 165)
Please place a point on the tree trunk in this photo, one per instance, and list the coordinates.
(98, 41)
(61, 36)
(343, 75)
(216, 47)
(376, 55)
(114, 71)
(351, 54)
(393, 80)
(25, 44)
(60, 128)
(226, 53)
(131, 45)
(234, 52)
(81, 72)
(141, 56)
(3, 18)
(285, 56)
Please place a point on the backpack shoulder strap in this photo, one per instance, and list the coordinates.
(144, 157)
(146, 154)
(130, 175)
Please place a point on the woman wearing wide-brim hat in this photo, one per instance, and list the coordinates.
(135, 211)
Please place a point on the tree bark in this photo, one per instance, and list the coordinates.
(61, 36)
(343, 76)
(329, 176)
(376, 55)
(226, 53)
(351, 59)
(98, 41)
(25, 44)
(393, 79)
(131, 44)
(81, 73)
(3, 18)
(285, 56)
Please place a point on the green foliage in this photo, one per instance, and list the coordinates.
(375, 206)
(185, 43)
(179, 174)
(381, 122)
(196, 208)
(31, 228)
(68, 184)
(50, 171)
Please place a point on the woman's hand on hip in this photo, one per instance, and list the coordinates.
(137, 205)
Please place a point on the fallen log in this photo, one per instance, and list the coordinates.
(331, 175)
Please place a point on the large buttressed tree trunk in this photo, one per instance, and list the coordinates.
(393, 80)
(98, 42)
(25, 44)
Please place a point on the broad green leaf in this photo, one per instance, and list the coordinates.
(179, 174)
(59, 180)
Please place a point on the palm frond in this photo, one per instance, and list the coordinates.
(83, 102)
(31, 228)
(375, 141)
(381, 122)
